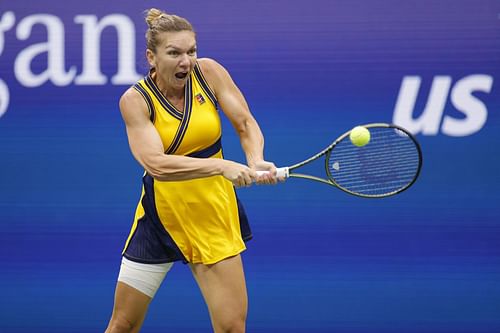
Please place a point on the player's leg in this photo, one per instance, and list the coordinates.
(224, 289)
(136, 287)
(129, 309)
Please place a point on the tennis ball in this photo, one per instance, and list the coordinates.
(359, 136)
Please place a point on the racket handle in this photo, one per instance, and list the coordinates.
(280, 172)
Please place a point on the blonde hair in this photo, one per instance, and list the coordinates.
(158, 21)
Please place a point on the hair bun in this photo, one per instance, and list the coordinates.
(152, 15)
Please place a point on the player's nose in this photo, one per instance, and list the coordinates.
(184, 61)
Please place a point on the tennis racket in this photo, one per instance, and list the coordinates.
(389, 164)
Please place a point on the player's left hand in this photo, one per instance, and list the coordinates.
(267, 178)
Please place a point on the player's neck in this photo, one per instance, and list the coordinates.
(174, 95)
(169, 91)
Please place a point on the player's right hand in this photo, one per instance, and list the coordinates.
(238, 174)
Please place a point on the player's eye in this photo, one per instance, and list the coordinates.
(173, 53)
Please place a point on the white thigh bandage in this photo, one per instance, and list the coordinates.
(146, 278)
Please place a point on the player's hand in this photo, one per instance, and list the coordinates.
(238, 174)
(268, 177)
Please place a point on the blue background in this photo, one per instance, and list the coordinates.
(427, 260)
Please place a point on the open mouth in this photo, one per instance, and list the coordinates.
(181, 75)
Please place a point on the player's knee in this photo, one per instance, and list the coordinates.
(121, 324)
(233, 324)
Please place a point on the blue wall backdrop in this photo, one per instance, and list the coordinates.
(427, 260)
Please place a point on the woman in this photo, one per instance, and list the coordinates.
(188, 209)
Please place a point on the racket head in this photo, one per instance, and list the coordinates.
(389, 164)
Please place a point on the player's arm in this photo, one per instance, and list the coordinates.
(147, 148)
(236, 109)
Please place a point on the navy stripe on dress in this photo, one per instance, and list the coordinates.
(204, 84)
(209, 151)
(149, 102)
(151, 243)
(181, 130)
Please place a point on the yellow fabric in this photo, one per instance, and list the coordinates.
(201, 215)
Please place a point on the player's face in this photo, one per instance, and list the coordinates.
(175, 57)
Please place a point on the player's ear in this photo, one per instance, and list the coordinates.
(151, 57)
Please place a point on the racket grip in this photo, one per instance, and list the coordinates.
(280, 172)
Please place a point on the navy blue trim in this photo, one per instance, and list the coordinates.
(181, 130)
(147, 98)
(204, 85)
(246, 232)
(172, 110)
(209, 151)
(151, 243)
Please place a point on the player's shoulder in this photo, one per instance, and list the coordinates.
(130, 96)
(208, 64)
(213, 71)
(131, 101)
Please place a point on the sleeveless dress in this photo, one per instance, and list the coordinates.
(199, 220)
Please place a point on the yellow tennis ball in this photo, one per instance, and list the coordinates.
(359, 136)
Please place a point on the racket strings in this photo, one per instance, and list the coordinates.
(387, 164)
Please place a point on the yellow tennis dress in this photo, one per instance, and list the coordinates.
(199, 220)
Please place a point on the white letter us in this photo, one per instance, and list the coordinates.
(461, 97)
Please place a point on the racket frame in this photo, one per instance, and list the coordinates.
(331, 181)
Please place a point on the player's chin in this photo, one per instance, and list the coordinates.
(180, 82)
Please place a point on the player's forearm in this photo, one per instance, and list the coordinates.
(252, 142)
(175, 168)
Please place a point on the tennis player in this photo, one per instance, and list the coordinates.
(188, 210)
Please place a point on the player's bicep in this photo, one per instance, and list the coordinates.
(235, 108)
(144, 140)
